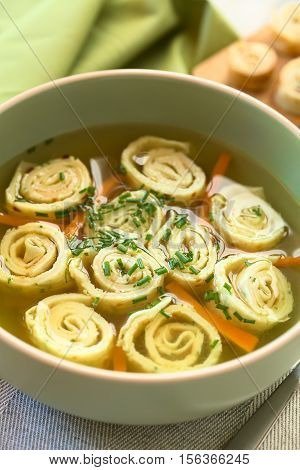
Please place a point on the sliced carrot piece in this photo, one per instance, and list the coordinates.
(108, 186)
(16, 221)
(221, 165)
(241, 338)
(73, 227)
(119, 360)
(289, 261)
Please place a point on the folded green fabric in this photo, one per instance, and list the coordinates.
(41, 40)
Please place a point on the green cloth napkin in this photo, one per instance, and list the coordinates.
(41, 40)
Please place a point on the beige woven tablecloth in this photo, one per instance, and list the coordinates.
(27, 424)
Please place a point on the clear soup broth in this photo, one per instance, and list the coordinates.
(111, 141)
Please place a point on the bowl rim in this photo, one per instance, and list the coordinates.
(137, 377)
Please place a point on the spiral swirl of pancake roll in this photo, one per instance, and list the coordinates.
(252, 292)
(188, 250)
(49, 190)
(169, 338)
(133, 212)
(34, 258)
(286, 27)
(67, 326)
(120, 279)
(288, 92)
(163, 166)
(245, 219)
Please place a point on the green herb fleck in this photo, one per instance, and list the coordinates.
(214, 343)
(212, 295)
(140, 263)
(89, 190)
(122, 169)
(257, 211)
(61, 176)
(224, 310)
(182, 257)
(210, 278)
(143, 281)
(121, 247)
(211, 217)
(95, 302)
(120, 263)
(164, 313)
(228, 287)
(62, 214)
(194, 270)
(106, 268)
(149, 237)
(160, 290)
(139, 299)
(181, 221)
(166, 235)
(132, 269)
(136, 222)
(161, 270)
(41, 214)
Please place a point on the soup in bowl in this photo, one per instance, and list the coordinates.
(149, 246)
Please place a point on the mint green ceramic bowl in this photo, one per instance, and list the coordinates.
(131, 96)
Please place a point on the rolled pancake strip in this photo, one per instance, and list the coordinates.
(169, 338)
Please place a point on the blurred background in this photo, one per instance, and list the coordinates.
(41, 40)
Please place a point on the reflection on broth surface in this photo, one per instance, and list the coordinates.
(145, 233)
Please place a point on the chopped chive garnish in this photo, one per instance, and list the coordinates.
(211, 217)
(41, 214)
(182, 257)
(210, 278)
(133, 246)
(132, 269)
(61, 214)
(143, 281)
(95, 302)
(61, 176)
(194, 270)
(238, 316)
(242, 319)
(212, 295)
(132, 199)
(122, 169)
(140, 263)
(247, 263)
(106, 268)
(165, 314)
(124, 196)
(214, 343)
(257, 211)
(172, 263)
(122, 248)
(227, 287)
(145, 196)
(224, 310)
(136, 222)
(90, 190)
(181, 221)
(120, 263)
(139, 299)
(166, 235)
(161, 270)
(160, 290)
(149, 237)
